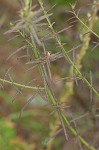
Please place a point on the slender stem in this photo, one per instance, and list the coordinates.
(89, 147)
(21, 85)
(86, 25)
(64, 51)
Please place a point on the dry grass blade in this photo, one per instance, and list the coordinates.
(52, 112)
(74, 48)
(16, 36)
(34, 34)
(70, 19)
(26, 104)
(42, 18)
(65, 29)
(24, 56)
(16, 27)
(60, 105)
(18, 50)
(31, 68)
(97, 44)
(56, 133)
(74, 21)
(80, 117)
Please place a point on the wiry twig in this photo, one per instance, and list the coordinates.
(27, 103)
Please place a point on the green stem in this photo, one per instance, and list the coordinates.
(64, 51)
(89, 147)
(86, 25)
(21, 85)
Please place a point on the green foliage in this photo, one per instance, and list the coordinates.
(8, 137)
(7, 132)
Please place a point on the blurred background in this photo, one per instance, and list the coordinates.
(27, 126)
